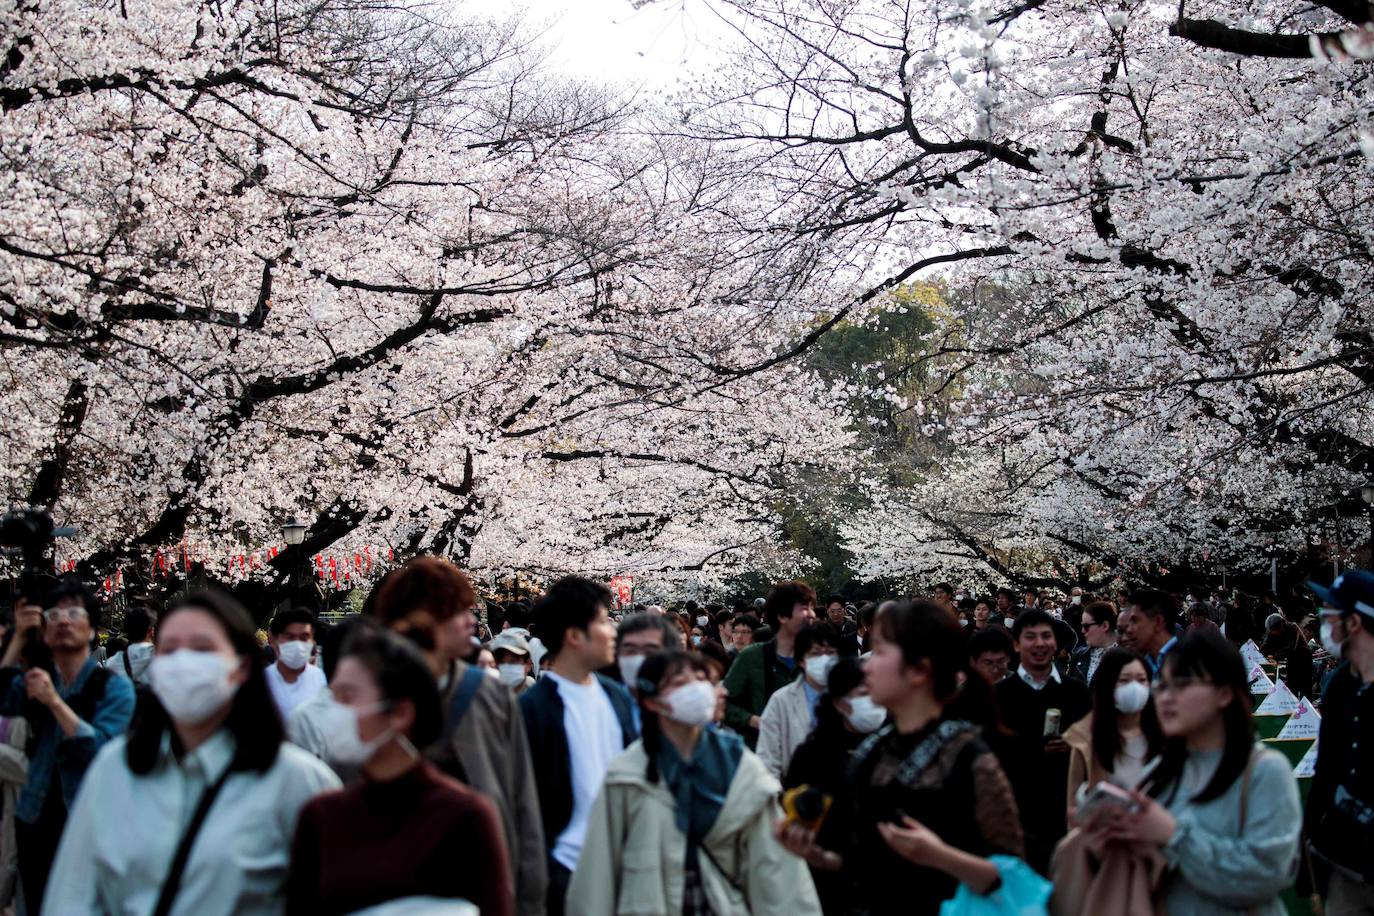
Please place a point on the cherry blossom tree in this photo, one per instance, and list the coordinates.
(1179, 194)
(365, 265)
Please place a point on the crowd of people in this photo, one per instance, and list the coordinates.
(1074, 754)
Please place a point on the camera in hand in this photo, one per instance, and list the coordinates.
(806, 806)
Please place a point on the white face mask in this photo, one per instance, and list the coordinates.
(702, 621)
(818, 668)
(1328, 637)
(511, 675)
(1076, 599)
(963, 621)
(1009, 621)
(296, 653)
(692, 704)
(492, 673)
(192, 686)
(696, 640)
(339, 726)
(629, 669)
(1131, 697)
(865, 715)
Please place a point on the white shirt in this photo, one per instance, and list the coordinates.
(594, 740)
(289, 696)
(124, 830)
(1039, 685)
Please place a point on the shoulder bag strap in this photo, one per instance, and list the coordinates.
(128, 668)
(172, 883)
(1245, 788)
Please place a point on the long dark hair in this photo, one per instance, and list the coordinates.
(929, 633)
(656, 669)
(253, 718)
(1208, 655)
(1106, 734)
(401, 673)
(847, 675)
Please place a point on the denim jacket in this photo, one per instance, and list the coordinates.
(54, 751)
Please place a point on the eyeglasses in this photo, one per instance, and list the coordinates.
(1180, 684)
(69, 614)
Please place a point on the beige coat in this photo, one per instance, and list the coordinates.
(491, 746)
(784, 725)
(632, 859)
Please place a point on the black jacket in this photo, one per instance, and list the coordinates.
(1038, 777)
(542, 708)
(1340, 808)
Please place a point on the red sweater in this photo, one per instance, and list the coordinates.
(422, 834)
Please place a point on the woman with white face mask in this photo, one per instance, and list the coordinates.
(845, 716)
(405, 831)
(193, 812)
(683, 824)
(790, 713)
(1121, 735)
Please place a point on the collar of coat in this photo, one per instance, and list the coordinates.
(752, 790)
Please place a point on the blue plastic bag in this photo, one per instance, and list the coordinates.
(1023, 893)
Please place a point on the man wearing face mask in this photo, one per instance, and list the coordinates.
(791, 712)
(292, 679)
(513, 666)
(73, 708)
(1339, 819)
(638, 637)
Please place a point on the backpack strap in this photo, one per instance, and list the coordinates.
(128, 667)
(463, 695)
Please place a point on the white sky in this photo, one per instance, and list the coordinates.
(609, 39)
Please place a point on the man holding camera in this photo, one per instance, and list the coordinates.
(73, 706)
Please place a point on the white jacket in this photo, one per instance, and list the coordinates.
(784, 725)
(634, 854)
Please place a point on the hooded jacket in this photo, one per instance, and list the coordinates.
(633, 859)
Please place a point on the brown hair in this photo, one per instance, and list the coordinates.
(783, 598)
(422, 594)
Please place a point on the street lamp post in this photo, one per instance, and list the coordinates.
(1367, 494)
(293, 533)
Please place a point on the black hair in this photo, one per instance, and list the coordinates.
(1154, 603)
(401, 673)
(657, 668)
(518, 616)
(847, 675)
(944, 587)
(724, 617)
(253, 719)
(643, 622)
(867, 614)
(71, 586)
(747, 620)
(834, 599)
(783, 597)
(570, 603)
(991, 639)
(1208, 655)
(1011, 595)
(930, 634)
(138, 621)
(815, 634)
(331, 641)
(283, 619)
(1031, 618)
(1105, 733)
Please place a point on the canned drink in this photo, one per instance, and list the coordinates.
(1052, 719)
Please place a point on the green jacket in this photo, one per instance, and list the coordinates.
(748, 687)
